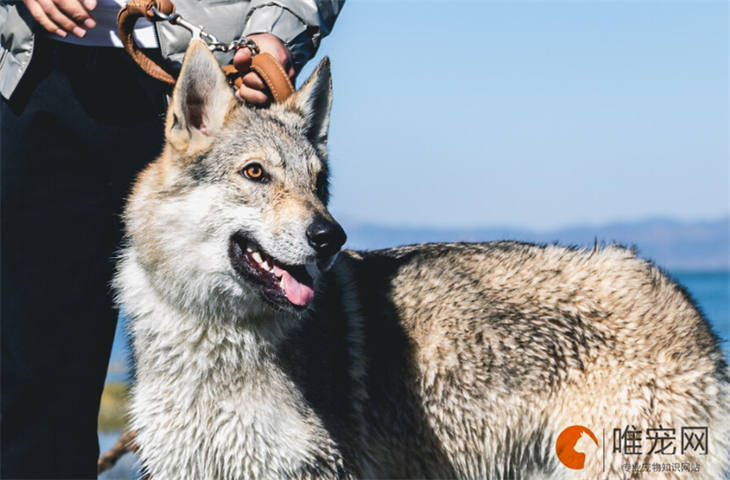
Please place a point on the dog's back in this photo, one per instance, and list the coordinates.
(469, 359)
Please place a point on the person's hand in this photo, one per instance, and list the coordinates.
(63, 16)
(254, 89)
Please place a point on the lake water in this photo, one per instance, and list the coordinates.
(711, 292)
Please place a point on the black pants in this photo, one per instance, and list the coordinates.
(83, 122)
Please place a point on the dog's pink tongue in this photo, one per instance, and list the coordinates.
(297, 292)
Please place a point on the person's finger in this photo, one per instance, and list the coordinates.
(40, 16)
(77, 12)
(60, 19)
(252, 96)
(252, 79)
(242, 60)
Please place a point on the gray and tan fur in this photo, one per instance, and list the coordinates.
(438, 360)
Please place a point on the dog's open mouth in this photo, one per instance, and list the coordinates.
(281, 284)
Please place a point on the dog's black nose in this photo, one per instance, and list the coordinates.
(326, 237)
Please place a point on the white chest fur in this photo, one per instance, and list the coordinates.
(210, 400)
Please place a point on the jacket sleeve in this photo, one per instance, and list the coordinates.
(301, 24)
(16, 45)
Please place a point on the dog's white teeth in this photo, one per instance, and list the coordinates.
(265, 265)
(249, 249)
(281, 283)
(257, 256)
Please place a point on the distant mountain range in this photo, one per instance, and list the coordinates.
(671, 244)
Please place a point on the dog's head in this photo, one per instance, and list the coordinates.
(234, 210)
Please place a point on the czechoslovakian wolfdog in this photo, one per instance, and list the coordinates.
(262, 353)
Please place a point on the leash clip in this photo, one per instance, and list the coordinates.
(197, 31)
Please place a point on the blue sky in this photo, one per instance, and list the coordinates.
(530, 114)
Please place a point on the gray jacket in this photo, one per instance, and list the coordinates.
(301, 24)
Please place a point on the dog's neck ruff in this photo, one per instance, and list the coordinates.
(215, 387)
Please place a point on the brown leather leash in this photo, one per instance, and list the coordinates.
(263, 63)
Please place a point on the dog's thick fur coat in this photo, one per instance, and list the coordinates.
(438, 360)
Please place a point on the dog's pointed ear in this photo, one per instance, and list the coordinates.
(313, 102)
(200, 102)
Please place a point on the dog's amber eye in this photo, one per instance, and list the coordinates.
(254, 171)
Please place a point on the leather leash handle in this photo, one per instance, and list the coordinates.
(270, 71)
(273, 74)
(128, 16)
